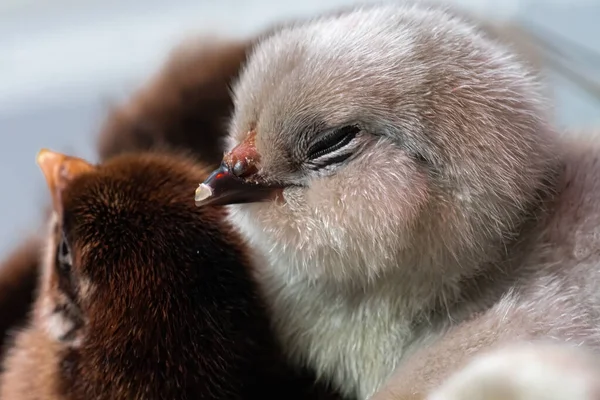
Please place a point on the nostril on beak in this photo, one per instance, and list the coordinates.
(243, 168)
(243, 159)
(238, 169)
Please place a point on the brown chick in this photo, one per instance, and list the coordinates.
(185, 106)
(142, 294)
(395, 170)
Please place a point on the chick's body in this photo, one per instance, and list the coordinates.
(422, 198)
(143, 296)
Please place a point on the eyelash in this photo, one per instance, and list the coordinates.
(333, 141)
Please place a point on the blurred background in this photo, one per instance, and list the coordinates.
(63, 62)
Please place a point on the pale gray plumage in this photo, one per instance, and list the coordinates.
(456, 219)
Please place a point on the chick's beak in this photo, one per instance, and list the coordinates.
(58, 169)
(237, 180)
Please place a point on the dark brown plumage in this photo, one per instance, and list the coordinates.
(143, 295)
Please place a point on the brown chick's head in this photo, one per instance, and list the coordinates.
(401, 134)
(143, 295)
(184, 106)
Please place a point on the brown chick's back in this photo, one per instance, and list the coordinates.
(144, 295)
(186, 106)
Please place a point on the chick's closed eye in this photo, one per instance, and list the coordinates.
(332, 140)
(332, 147)
(63, 254)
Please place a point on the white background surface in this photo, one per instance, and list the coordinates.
(62, 62)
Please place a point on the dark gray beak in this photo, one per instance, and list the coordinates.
(223, 187)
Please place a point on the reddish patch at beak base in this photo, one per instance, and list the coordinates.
(243, 159)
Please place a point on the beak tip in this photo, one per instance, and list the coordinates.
(203, 192)
(41, 155)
